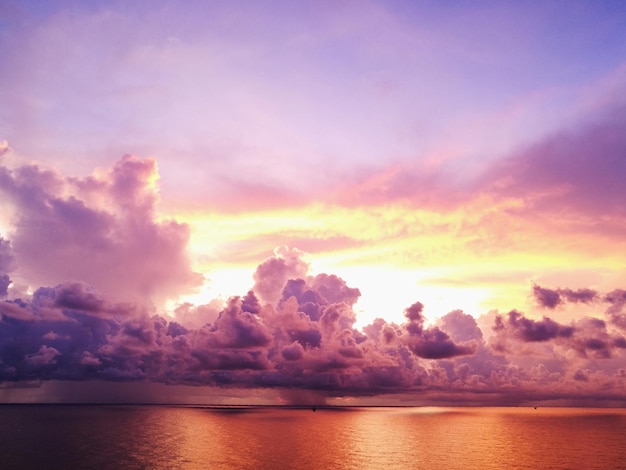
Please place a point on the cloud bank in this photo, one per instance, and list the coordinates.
(292, 331)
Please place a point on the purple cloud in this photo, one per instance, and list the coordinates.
(71, 332)
(291, 331)
(6, 264)
(529, 330)
(100, 229)
(5, 282)
(431, 343)
(579, 170)
(589, 337)
(551, 298)
(271, 275)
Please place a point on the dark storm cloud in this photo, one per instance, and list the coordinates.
(236, 328)
(334, 289)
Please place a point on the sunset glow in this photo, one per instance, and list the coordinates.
(345, 199)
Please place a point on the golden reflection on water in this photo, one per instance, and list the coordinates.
(278, 438)
(375, 438)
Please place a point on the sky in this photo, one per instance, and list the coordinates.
(381, 202)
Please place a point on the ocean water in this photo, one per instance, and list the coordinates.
(168, 437)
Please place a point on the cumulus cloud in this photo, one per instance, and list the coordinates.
(94, 254)
(101, 229)
(271, 275)
(431, 343)
(588, 337)
(306, 342)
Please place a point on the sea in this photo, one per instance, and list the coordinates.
(211, 437)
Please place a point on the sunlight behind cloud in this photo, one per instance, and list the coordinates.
(455, 169)
(220, 284)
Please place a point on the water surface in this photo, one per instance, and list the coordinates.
(155, 437)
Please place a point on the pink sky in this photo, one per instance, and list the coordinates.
(393, 201)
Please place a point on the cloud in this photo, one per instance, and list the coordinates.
(5, 282)
(45, 356)
(101, 229)
(589, 337)
(307, 342)
(4, 148)
(529, 330)
(196, 316)
(95, 255)
(578, 169)
(71, 332)
(273, 273)
(7, 261)
(551, 298)
(431, 343)
(616, 300)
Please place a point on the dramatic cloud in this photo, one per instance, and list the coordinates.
(616, 300)
(306, 341)
(271, 275)
(101, 229)
(431, 343)
(101, 238)
(426, 205)
(588, 337)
